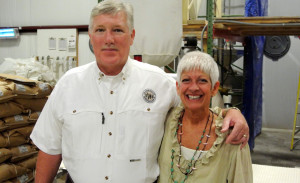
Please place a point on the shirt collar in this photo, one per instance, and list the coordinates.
(124, 73)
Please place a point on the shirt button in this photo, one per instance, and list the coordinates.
(111, 92)
(108, 155)
(74, 111)
(111, 113)
(106, 177)
(109, 133)
(148, 109)
(102, 75)
(123, 78)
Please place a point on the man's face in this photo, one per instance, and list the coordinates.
(111, 40)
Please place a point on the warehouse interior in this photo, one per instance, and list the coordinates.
(257, 53)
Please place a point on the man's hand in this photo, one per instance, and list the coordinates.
(240, 133)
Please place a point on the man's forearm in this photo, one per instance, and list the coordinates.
(225, 110)
(46, 167)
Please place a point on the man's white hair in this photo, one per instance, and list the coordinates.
(112, 7)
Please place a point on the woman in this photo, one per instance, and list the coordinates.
(193, 149)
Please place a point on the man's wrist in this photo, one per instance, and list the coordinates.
(225, 111)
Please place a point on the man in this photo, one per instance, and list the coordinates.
(106, 119)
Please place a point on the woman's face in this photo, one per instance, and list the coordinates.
(195, 89)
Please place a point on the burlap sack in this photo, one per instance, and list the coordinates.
(18, 79)
(6, 141)
(16, 121)
(2, 126)
(24, 91)
(41, 90)
(5, 154)
(9, 171)
(6, 91)
(33, 117)
(26, 178)
(29, 163)
(10, 109)
(15, 137)
(22, 152)
(33, 104)
(26, 88)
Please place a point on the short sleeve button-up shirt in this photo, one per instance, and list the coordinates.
(108, 129)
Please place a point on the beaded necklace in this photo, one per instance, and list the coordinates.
(191, 166)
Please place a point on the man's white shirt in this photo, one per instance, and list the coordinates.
(107, 128)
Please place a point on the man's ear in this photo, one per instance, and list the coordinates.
(132, 36)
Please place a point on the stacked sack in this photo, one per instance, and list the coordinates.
(21, 101)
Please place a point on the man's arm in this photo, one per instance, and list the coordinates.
(46, 167)
(240, 133)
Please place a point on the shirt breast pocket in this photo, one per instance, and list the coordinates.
(82, 132)
(139, 133)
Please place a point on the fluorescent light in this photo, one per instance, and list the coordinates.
(9, 33)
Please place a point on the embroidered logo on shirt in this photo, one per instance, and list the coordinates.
(149, 95)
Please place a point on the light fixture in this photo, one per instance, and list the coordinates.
(9, 33)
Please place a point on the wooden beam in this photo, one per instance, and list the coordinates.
(185, 11)
(218, 9)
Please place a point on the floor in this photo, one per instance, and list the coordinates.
(272, 147)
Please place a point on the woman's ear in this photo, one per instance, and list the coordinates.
(215, 88)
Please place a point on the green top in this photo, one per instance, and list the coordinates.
(223, 163)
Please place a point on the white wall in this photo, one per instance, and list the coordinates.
(42, 12)
(24, 47)
(280, 79)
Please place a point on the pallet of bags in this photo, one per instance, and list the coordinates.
(25, 88)
(2, 126)
(22, 158)
(25, 178)
(21, 101)
(20, 120)
(15, 137)
(6, 91)
(11, 171)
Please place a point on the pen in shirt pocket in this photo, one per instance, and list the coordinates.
(103, 118)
